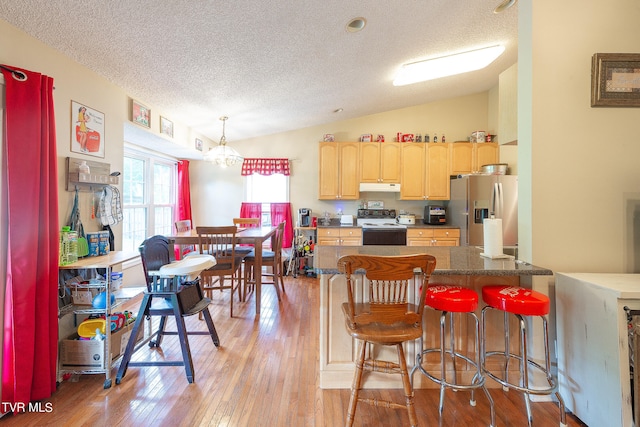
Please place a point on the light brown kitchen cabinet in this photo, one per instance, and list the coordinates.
(380, 162)
(343, 236)
(338, 171)
(433, 237)
(425, 172)
(485, 154)
(461, 158)
(469, 157)
(437, 171)
(412, 172)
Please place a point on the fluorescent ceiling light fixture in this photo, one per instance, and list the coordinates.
(447, 65)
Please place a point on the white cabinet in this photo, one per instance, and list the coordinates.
(593, 345)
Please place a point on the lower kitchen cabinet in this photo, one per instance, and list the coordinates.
(344, 236)
(433, 237)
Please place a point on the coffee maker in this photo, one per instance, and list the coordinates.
(304, 217)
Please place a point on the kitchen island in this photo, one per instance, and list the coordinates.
(454, 265)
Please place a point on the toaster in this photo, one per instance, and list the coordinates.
(435, 215)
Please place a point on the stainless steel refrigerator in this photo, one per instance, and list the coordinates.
(476, 197)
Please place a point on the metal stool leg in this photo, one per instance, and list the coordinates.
(478, 380)
(525, 363)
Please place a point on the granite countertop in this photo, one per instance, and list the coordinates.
(452, 260)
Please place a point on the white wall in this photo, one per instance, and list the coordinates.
(581, 199)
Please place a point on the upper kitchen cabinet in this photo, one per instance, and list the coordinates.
(508, 105)
(380, 162)
(338, 171)
(438, 172)
(412, 172)
(424, 172)
(469, 157)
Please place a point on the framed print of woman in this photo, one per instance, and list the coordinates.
(87, 130)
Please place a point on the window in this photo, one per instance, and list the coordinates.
(148, 197)
(267, 189)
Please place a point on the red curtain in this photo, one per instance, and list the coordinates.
(183, 208)
(250, 210)
(30, 336)
(265, 166)
(282, 212)
(184, 191)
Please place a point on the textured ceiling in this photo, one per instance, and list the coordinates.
(270, 65)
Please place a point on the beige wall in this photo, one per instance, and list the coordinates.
(578, 165)
(75, 82)
(579, 204)
(220, 191)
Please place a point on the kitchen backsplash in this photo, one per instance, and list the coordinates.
(390, 201)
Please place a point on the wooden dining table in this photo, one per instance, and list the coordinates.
(254, 236)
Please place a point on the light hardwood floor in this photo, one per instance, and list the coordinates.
(265, 373)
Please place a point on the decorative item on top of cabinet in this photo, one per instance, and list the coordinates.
(338, 171)
(380, 162)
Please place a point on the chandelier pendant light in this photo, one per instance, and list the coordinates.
(221, 154)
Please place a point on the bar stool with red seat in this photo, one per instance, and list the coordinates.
(450, 299)
(521, 303)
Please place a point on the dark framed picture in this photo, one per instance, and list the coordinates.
(615, 80)
(140, 114)
(198, 144)
(166, 127)
(87, 130)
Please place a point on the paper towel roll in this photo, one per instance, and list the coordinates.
(492, 237)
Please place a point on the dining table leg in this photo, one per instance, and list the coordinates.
(258, 274)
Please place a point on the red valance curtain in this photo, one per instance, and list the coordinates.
(30, 235)
(250, 210)
(265, 166)
(282, 212)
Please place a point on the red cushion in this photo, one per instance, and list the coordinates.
(451, 298)
(517, 300)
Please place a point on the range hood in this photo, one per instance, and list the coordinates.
(379, 187)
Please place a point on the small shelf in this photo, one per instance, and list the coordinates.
(83, 178)
(98, 177)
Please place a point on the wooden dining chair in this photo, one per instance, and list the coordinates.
(221, 243)
(383, 310)
(182, 226)
(271, 259)
(246, 222)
